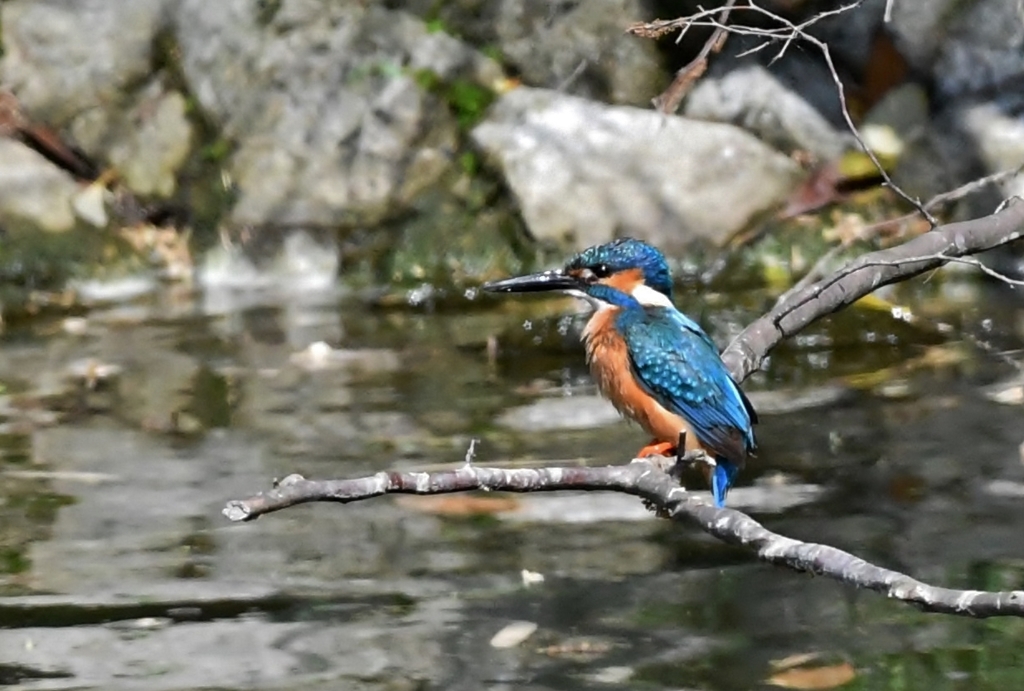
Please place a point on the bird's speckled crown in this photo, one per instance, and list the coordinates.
(629, 253)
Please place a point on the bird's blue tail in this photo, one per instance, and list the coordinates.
(721, 480)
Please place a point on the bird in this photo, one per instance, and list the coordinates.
(656, 365)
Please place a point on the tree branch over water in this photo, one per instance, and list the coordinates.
(804, 304)
(642, 479)
(794, 311)
(798, 308)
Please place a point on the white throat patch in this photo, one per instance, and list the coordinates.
(590, 300)
(649, 297)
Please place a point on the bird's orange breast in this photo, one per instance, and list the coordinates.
(610, 366)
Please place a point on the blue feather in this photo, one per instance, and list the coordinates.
(721, 480)
(678, 364)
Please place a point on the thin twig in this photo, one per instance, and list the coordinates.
(644, 480)
(668, 101)
(865, 274)
(744, 355)
(747, 352)
(787, 32)
(817, 271)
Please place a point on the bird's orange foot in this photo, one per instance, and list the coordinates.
(664, 448)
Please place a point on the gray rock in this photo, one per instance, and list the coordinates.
(791, 105)
(580, 48)
(577, 412)
(61, 58)
(967, 48)
(850, 35)
(323, 101)
(584, 172)
(34, 193)
(984, 51)
(904, 109)
(998, 138)
(919, 29)
(969, 139)
(147, 142)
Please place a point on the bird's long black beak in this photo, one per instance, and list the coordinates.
(534, 283)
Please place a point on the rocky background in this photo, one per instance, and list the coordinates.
(420, 141)
(371, 158)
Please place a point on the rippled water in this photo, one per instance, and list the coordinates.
(125, 429)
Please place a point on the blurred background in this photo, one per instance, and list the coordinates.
(244, 238)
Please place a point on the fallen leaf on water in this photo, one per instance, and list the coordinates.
(531, 577)
(459, 505)
(578, 649)
(1010, 392)
(811, 678)
(816, 191)
(89, 204)
(92, 371)
(791, 661)
(513, 634)
(874, 302)
(934, 357)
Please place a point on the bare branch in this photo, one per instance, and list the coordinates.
(864, 275)
(668, 101)
(793, 312)
(817, 271)
(787, 32)
(644, 480)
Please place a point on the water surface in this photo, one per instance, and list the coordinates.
(125, 429)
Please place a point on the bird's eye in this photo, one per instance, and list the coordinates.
(601, 271)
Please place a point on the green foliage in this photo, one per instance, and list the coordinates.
(43, 508)
(428, 80)
(13, 561)
(469, 163)
(493, 52)
(266, 10)
(469, 101)
(216, 151)
(437, 25)
(466, 99)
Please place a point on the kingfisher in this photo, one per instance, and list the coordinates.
(655, 364)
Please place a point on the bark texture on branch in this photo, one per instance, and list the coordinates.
(794, 311)
(797, 309)
(649, 482)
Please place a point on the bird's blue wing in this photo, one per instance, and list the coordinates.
(679, 365)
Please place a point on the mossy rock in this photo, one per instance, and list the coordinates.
(458, 240)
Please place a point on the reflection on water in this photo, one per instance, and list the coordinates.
(123, 433)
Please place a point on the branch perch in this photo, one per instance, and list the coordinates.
(644, 480)
(800, 307)
(794, 311)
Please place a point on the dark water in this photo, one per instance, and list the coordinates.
(124, 431)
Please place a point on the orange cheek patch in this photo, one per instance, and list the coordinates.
(625, 281)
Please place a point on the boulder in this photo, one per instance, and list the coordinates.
(148, 140)
(34, 193)
(966, 48)
(328, 103)
(580, 48)
(62, 58)
(790, 103)
(584, 172)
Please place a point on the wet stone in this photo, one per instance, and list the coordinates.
(575, 412)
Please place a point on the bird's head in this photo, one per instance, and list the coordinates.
(613, 273)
